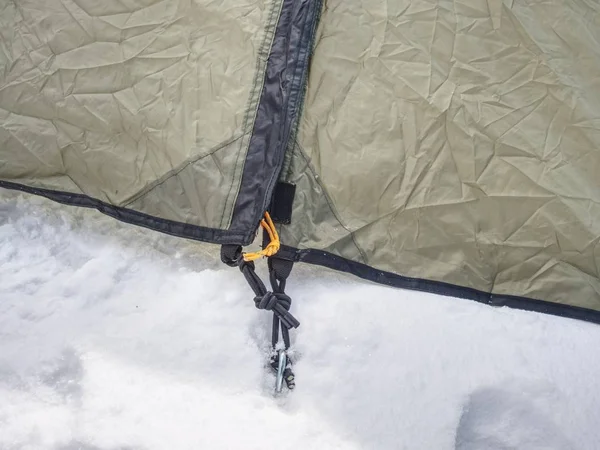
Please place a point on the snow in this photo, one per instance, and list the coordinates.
(116, 337)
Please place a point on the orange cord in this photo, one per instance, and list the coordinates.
(272, 247)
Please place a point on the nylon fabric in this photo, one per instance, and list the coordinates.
(146, 104)
(456, 142)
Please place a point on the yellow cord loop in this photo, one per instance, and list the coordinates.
(272, 247)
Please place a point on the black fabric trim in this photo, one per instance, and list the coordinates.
(130, 216)
(282, 202)
(326, 259)
(277, 111)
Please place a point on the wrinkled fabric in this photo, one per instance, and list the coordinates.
(450, 141)
(456, 142)
(142, 104)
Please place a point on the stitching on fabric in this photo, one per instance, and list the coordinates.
(253, 103)
(326, 259)
(293, 81)
(302, 153)
(145, 191)
(188, 231)
(287, 164)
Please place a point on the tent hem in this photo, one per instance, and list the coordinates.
(174, 228)
(331, 261)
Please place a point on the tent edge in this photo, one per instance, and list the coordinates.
(132, 217)
(341, 264)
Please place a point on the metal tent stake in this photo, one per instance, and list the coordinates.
(281, 369)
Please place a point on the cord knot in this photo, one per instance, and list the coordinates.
(280, 303)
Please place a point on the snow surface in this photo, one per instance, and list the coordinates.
(116, 337)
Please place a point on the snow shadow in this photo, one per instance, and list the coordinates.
(78, 445)
(64, 375)
(500, 419)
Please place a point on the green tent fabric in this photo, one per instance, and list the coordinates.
(445, 146)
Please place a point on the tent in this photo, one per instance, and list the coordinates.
(446, 146)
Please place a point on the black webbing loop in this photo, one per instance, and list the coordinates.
(231, 254)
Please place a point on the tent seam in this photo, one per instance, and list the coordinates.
(145, 191)
(295, 78)
(253, 104)
(329, 201)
